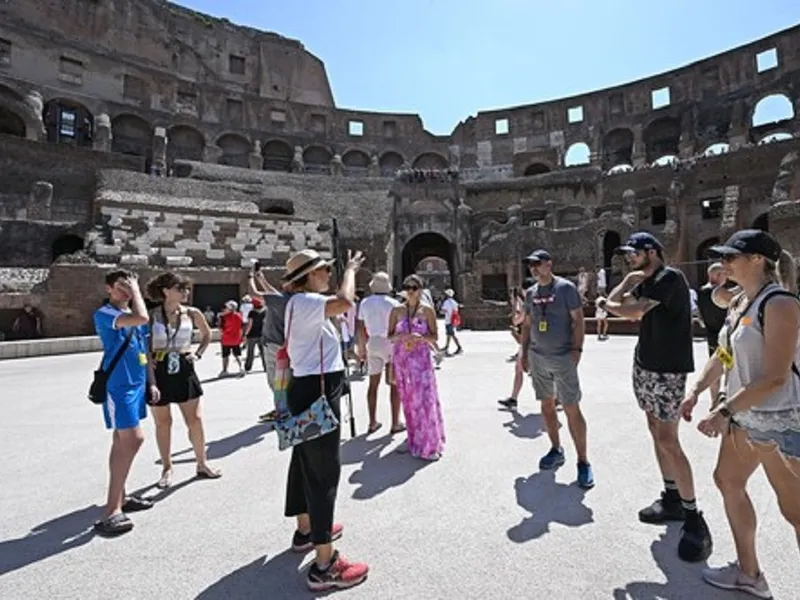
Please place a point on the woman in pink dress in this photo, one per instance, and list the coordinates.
(413, 328)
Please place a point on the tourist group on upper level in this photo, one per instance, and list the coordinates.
(306, 337)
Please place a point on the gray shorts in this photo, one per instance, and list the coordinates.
(555, 377)
(269, 357)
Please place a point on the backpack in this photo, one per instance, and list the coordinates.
(760, 315)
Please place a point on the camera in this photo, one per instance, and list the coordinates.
(256, 266)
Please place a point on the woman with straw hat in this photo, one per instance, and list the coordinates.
(315, 356)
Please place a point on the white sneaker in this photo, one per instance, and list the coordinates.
(730, 577)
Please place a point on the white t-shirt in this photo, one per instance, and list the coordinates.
(305, 326)
(426, 297)
(601, 278)
(374, 312)
(449, 306)
(245, 309)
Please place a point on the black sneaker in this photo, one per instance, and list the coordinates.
(301, 542)
(509, 403)
(696, 544)
(662, 510)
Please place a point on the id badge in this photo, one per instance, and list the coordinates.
(173, 363)
(725, 357)
(143, 359)
(160, 355)
(542, 326)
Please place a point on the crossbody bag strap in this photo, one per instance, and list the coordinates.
(321, 368)
(120, 352)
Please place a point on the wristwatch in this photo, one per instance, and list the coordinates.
(724, 410)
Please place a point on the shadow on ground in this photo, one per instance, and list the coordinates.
(378, 472)
(684, 580)
(548, 502)
(528, 427)
(226, 446)
(59, 535)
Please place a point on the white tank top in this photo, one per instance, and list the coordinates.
(167, 337)
(781, 411)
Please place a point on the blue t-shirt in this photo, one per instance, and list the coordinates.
(129, 372)
(551, 304)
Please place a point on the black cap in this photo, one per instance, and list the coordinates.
(538, 256)
(639, 241)
(748, 241)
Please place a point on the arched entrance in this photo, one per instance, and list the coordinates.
(66, 244)
(701, 256)
(11, 123)
(761, 222)
(68, 122)
(423, 246)
(611, 241)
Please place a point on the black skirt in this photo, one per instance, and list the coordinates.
(180, 386)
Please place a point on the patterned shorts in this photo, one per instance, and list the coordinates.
(659, 394)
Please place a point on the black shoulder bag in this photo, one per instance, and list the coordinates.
(97, 391)
(760, 315)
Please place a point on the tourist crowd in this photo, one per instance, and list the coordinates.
(306, 337)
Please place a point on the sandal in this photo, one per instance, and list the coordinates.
(208, 473)
(114, 525)
(135, 504)
(166, 480)
(374, 427)
(398, 428)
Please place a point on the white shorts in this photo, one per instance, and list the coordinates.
(600, 313)
(379, 355)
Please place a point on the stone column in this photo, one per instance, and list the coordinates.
(738, 133)
(160, 150)
(639, 152)
(256, 160)
(102, 133)
(212, 154)
(40, 200)
(551, 206)
(35, 124)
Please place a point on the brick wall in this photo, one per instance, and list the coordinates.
(70, 170)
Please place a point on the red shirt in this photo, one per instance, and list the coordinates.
(231, 324)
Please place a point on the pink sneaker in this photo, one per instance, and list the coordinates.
(340, 574)
(301, 542)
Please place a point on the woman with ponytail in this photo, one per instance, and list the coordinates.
(759, 422)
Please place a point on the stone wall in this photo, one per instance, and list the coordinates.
(71, 171)
(31, 243)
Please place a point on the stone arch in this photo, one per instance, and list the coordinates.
(536, 168)
(617, 148)
(430, 160)
(278, 155)
(68, 121)
(611, 241)
(235, 150)
(666, 160)
(317, 157)
(620, 169)
(68, 243)
(761, 222)
(185, 142)
(132, 135)
(718, 148)
(424, 245)
(391, 162)
(701, 256)
(662, 137)
(11, 123)
(778, 136)
(772, 109)
(15, 106)
(356, 158)
(578, 154)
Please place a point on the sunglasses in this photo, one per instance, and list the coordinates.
(181, 287)
(411, 288)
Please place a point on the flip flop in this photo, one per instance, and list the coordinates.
(165, 481)
(398, 429)
(374, 427)
(114, 525)
(135, 504)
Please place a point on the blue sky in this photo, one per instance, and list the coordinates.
(449, 59)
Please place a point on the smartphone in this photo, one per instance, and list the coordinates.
(256, 266)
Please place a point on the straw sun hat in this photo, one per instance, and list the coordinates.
(303, 263)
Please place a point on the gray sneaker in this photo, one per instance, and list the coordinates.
(730, 577)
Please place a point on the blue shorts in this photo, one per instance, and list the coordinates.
(449, 329)
(788, 442)
(124, 408)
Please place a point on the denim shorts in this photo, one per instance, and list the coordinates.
(788, 441)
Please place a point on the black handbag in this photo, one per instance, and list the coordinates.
(97, 391)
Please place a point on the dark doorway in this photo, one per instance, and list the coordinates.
(214, 295)
(11, 123)
(611, 241)
(761, 222)
(423, 246)
(66, 244)
(701, 256)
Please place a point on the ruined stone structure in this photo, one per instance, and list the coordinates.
(145, 134)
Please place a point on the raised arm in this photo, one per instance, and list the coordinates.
(138, 315)
(623, 303)
(345, 297)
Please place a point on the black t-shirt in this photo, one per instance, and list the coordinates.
(256, 317)
(713, 316)
(665, 333)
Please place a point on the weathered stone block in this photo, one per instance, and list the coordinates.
(107, 250)
(179, 261)
(172, 252)
(134, 260)
(215, 254)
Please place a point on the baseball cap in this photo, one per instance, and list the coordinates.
(748, 241)
(538, 256)
(639, 241)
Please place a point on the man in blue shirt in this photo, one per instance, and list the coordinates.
(552, 343)
(126, 392)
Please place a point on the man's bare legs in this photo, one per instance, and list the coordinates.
(575, 422)
(125, 443)
(372, 400)
(671, 459)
